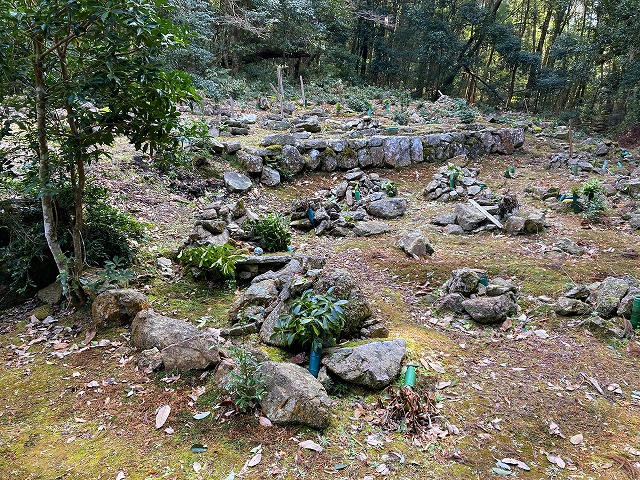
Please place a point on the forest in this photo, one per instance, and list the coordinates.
(578, 59)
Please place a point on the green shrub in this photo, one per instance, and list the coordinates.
(313, 320)
(401, 117)
(247, 384)
(217, 260)
(274, 231)
(114, 273)
(357, 103)
(390, 188)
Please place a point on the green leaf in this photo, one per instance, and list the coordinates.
(198, 448)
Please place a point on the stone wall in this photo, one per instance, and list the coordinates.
(292, 155)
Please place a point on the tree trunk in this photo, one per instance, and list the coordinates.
(44, 167)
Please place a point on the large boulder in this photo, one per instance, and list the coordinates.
(346, 287)
(149, 330)
(387, 208)
(569, 307)
(611, 292)
(490, 309)
(372, 365)
(468, 217)
(294, 396)
(397, 151)
(415, 244)
(237, 182)
(118, 307)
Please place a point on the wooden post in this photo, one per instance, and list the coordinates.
(281, 91)
(304, 99)
(232, 104)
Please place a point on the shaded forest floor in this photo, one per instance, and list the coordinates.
(88, 413)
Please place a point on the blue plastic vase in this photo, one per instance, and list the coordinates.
(314, 361)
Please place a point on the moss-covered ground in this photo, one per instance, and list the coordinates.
(91, 414)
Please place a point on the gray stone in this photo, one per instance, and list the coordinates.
(278, 139)
(465, 281)
(373, 365)
(150, 360)
(579, 292)
(270, 177)
(468, 217)
(453, 230)
(444, 219)
(569, 246)
(328, 161)
(611, 292)
(267, 329)
(452, 302)
(149, 330)
(292, 159)
(569, 307)
(260, 293)
(117, 307)
(194, 353)
(397, 152)
(490, 309)
(294, 396)
(313, 160)
(310, 124)
(52, 294)
(315, 143)
(626, 304)
(514, 225)
(387, 208)
(237, 182)
(346, 286)
(251, 163)
(373, 227)
(415, 244)
(474, 190)
(602, 149)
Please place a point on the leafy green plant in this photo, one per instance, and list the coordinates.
(247, 384)
(593, 187)
(313, 320)
(338, 108)
(274, 231)
(390, 188)
(114, 273)
(217, 260)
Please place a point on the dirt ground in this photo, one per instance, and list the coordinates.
(541, 389)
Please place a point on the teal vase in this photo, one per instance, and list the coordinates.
(314, 361)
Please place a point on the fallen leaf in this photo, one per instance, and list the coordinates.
(169, 431)
(120, 475)
(374, 441)
(265, 422)
(198, 448)
(441, 385)
(514, 461)
(554, 429)
(231, 476)
(201, 415)
(197, 467)
(311, 445)
(436, 366)
(93, 384)
(556, 460)
(577, 439)
(89, 336)
(500, 471)
(255, 460)
(382, 469)
(161, 415)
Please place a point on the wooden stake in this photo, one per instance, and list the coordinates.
(304, 100)
(493, 219)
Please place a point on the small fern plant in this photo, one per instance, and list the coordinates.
(217, 260)
(247, 384)
(274, 231)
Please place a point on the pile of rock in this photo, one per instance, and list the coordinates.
(339, 213)
(230, 125)
(613, 297)
(218, 222)
(257, 309)
(469, 292)
(466, 186)
(562, 161)
(466, 218)
(365, 125)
